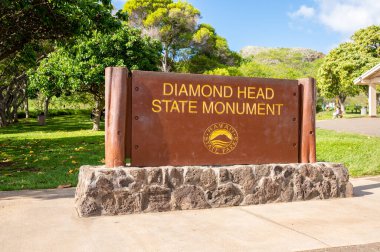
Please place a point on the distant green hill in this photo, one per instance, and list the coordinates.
(277, 55)
(287, 63)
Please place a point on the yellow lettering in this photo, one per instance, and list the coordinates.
(260, 93)
(270, 107)
(237, 109)
(220, 111)
(251, 92)
(208, 110)
(261, 109)
(196, 92)
(156, 106)
(269, 91)
(166, 104)
(279, 108)
(251, 110)
(167, 88)
(182, 103)
(193, 107)
(242, 92)
(230, 108)
(183, 90)
(218, 90)
(175, 107)
(228, 92)
(209, 90)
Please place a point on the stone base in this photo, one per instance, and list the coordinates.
(126, 190)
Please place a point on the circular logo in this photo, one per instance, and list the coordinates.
(220, 138)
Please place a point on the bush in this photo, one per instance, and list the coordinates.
(353, 108)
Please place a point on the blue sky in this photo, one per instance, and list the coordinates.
(317, 24)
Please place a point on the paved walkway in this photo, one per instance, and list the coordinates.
(365, 126)
(45, 220)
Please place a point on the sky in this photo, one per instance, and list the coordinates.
(316, 24)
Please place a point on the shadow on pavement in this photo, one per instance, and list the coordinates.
(360, 191)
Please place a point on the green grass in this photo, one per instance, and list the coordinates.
(360, 154)
(33, 156)
(327, 115)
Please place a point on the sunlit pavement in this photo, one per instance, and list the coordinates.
(45, 220)
(364, 126)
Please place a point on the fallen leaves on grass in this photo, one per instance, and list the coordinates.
(79, 148)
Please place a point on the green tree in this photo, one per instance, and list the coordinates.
(80, 68)
(208, 51)
(347, 62)
(187, 45)
(174, 26)
(27, 26)
(25, 21)
(138, 10)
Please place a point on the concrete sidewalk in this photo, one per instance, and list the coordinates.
(365, 126)
(46, 221)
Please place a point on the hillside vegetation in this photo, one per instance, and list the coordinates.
(287, 63)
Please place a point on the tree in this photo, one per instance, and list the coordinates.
(174, 26)
(138, 10)
(26, 21)
(48, 80)
(187, 45)
(13, 80)
(347, 62)
(26, 26)
(80, 68)
(208, 51)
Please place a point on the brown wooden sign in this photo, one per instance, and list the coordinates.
(186, 119)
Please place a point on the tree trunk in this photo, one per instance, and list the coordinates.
(15, 116)
(99, 103)
(46, 106)
(3, 118)
(26, 107)
(340, 99)
(165, 65)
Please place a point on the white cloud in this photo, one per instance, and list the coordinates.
(347, 16)
(303, 11)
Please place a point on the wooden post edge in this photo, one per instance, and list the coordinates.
(116, 116)
(307, 142)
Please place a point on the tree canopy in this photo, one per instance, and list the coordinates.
(28, 31)
(187, 45)
(347, 62)
(44, 19)
(80, 67)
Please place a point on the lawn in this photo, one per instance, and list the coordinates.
(360, 154)
(326, 115)
(33, 156)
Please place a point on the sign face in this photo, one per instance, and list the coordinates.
(188, 119)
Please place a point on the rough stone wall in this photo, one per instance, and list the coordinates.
(126, 190)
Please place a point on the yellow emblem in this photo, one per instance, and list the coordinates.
(220, 138)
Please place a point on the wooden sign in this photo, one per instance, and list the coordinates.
(159, 119)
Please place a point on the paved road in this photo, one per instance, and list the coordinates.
(365, 126)
(46, 221)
